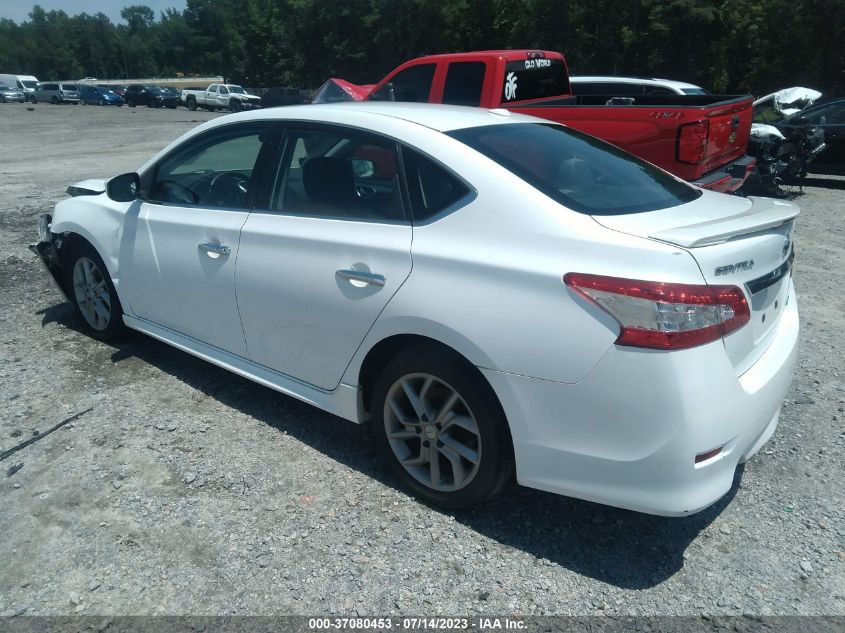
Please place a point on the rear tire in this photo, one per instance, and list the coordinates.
(90, 290)
(192, 104)
(54, 100)
(430, 405)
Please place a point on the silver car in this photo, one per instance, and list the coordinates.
(12, 95)
(57, 93)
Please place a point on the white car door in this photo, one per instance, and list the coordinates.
(180, 242)
(317, 267)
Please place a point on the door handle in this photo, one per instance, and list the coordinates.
(372, 279)
(215, 248)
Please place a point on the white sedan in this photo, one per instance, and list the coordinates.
(501, 297)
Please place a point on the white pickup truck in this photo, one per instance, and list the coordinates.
(224, 96)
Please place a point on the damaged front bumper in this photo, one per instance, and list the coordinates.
(47, 249)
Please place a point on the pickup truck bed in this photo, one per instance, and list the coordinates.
(700, 138)
(652, 127)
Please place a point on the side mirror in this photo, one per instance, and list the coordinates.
(124, 188)
(362, 167)
(385, 93)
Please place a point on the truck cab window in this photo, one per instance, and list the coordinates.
(412, 84)
(464, 81)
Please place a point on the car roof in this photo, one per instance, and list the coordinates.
(518, 54)
(647, 81)
(442, 118)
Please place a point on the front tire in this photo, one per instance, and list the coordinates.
(440, 427)
(235, 105)
(90, 290)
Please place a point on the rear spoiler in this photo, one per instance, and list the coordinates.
(764, 213)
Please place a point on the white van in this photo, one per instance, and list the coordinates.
(25, 83)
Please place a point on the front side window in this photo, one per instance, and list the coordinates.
(412, 84)
(579, 171)
(215, 171)
(332, 174)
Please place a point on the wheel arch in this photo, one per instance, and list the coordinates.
(103, 241)
(387, 348)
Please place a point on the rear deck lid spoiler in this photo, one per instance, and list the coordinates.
(762, 214)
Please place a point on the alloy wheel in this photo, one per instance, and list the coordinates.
(432, 432)
(91, 293)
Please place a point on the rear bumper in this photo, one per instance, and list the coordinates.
(729, 177)
(628, 434)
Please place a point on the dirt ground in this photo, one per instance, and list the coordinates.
(188, 490)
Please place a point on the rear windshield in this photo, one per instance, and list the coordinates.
(579, 171)
(534, 79)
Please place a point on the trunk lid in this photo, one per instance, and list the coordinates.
(745, 242)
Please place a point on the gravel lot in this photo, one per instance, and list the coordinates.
(188, 490)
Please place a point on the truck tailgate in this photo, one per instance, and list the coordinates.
(652, 127)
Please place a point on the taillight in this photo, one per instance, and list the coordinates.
(691, 146)
(664, 315)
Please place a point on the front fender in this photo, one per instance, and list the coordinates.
(98, 220)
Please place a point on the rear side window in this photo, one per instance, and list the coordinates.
(579, 171)
(432, 188)
(534, 79)
(412, 84)
(463, 83)
(333, 174)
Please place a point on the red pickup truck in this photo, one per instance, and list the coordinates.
(700, 138)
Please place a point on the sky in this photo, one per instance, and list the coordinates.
(18, 10)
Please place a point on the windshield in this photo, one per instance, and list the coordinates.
(236, 90)
(30, 84)
(579, 171)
